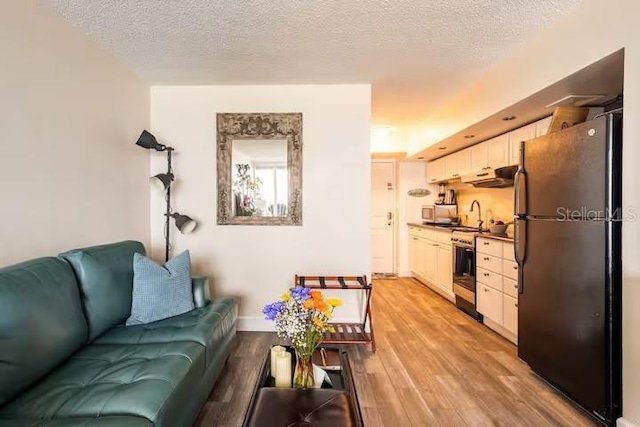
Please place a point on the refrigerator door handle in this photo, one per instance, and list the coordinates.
(520, 190)
(520, 248)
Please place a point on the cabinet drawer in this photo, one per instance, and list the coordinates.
(510, 287)
(489, 262)
(489, 303)
(510, 308)
(430, 235)
(510, 269)
(507, 252)
(444, 238)
(489, 247)
(489, 278)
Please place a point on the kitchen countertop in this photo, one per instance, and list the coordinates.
(502, 237)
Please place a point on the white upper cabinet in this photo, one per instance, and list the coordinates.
(516, 136)
(498, 151)
(479, 156)
(458, 164)
(436, 170)
(451, 166)
(464, 161)
(503, 150)
(542, 126)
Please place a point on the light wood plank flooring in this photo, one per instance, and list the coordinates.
(434, 366)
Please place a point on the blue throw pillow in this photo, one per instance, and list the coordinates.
(160, 291)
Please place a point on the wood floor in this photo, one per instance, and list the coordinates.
(434, 366)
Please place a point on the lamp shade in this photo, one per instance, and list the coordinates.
(184, 223)
(148, 141)
(161, 182)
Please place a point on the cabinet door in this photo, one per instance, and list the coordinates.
(413, 254)
(524, 133)
(431, 260)
(498, 151)
(489, 303)
(510, 321)
(421, 262)
(436, 171)
(445, 274)
(451, 166)
(479, 157)
(542, 126)
(464, 161)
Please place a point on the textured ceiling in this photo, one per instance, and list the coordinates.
(416, 53)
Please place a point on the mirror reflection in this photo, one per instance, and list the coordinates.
(259, 177)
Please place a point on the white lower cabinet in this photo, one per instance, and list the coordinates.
(430, 259)
(510, 314)
(489, 302)
(497, 286)
(445, 273)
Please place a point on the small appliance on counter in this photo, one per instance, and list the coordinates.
(439, 214)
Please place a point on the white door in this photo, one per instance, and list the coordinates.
(382, 216)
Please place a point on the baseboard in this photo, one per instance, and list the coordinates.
(260, 324)
(621, 422)
(405, 273)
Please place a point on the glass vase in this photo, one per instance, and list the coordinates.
(303, 375)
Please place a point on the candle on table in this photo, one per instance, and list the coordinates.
(283, 369)
(275, 350)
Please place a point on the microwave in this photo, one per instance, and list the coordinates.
(439, 214)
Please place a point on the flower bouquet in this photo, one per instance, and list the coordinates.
(302, 316)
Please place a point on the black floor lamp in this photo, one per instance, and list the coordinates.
(162, 182)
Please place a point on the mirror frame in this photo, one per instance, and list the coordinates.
(234, 126)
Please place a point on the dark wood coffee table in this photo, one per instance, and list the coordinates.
(333, 405)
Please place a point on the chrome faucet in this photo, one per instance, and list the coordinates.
(475, 202)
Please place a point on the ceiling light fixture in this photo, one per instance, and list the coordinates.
(509, 118)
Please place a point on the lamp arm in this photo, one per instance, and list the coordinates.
(168, 208)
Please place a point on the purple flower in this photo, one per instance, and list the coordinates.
(300, 294)
(272, 310)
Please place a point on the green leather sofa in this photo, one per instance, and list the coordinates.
(66, 358)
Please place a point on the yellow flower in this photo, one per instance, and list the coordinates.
(285, 297)
(319, 324)
(334, 302)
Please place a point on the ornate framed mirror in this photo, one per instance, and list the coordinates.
(259, 159)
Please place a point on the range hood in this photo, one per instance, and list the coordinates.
(492, 178)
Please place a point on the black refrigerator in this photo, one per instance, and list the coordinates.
(568, 247)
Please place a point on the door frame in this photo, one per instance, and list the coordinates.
(392, 158)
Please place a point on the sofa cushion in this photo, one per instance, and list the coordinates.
(160, 291)
(105, 274)
(116, 421)
(145, 380)
(207, 326)
(41, 322)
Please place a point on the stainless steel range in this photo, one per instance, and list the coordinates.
(464, 270)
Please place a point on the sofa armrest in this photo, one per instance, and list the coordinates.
(200, 287)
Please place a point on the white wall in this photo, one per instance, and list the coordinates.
(594, 30)
(69, 116)
(258, 263)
